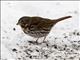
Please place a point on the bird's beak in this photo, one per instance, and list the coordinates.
(17, 24)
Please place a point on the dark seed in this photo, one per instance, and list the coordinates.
(14, 50)
(78, 34)
(74, 33)
(30, 57)
(30, 50)
(55, 59)
(19, 58)
(71, 57)
(65, 37)
(47, 45)
(74, 41)
(14, 29)
(64, 48)
(46, 56)
(55, 37)
(37, 50)
(65, 45)
(55, 46)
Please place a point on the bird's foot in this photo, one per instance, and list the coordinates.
(31, 42)
(34, 42)
(44, 41)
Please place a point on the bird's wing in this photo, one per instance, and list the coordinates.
(44, 25)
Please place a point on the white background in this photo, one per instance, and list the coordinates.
(11, 11)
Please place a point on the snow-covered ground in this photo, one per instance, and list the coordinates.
(63, 42)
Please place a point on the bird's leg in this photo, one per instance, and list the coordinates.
(44, 39)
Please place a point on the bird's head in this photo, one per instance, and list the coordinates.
(23, 21)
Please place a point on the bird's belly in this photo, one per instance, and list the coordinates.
(37, 34)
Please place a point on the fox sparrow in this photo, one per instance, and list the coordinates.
(37, 26)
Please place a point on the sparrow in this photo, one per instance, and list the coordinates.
(38, 27)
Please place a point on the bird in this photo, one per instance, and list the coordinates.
(38, 27)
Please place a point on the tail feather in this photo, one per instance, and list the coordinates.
(63, 18)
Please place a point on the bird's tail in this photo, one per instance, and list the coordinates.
(63, 18)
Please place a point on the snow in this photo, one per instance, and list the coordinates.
(62, 43)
